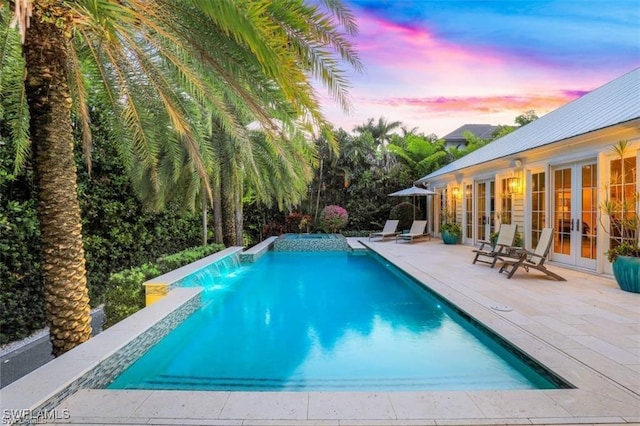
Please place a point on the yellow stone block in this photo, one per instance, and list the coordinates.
(154, 292)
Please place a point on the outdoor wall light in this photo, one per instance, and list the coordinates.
(513, 185)
(455, 191)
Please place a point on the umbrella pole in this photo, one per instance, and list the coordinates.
(414, 207)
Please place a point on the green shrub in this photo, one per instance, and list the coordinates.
(177, 260)
(21, 289)
(333, 218)
(404, 213)
(125, 293)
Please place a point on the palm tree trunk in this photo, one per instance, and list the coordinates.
(217, 211)
(239, 218)
(315, 217)
(228, 205)
(49, 99)
(204, 216)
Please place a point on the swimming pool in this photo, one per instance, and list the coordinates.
(328, 321)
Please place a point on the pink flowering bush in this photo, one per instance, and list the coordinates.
(333, 218)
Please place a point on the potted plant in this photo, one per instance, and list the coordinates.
(622, 208)
(450, 231)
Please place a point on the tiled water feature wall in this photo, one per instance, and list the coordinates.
(213, 273)
(311, 242)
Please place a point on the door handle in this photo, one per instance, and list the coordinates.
(571, 224)
(578, 226)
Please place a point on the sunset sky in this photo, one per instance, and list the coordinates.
(437, 65)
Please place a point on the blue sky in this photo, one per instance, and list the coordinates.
(437, 65)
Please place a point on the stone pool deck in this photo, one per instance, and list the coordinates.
(586, 330)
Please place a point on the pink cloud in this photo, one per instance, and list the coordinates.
(390, 45)
(414, 76)
(480, 104)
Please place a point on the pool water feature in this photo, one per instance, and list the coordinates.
(311, 242)
(213, 274)
(326, 322)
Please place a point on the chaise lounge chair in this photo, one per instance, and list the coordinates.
(531, 260)
(389, 230)
(417, 231)
(506, 237)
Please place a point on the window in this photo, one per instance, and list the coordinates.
(492, 206)
(443, 205)
(538, 210)
(506, 204)
(468, 199)
(622, 192)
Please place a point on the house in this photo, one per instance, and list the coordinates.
(553, 172)
(456, 138)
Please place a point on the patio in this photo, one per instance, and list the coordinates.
(586, 330)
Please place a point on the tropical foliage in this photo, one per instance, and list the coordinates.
(165, 70)
(155, 114)
(20, 261)
(405, 212)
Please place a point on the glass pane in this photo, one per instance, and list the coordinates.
(469, 206)
(492, 205)
(482, 211)
(562, 211)
(587, 225)
(566, 179)
(537, 207)
(622, 197)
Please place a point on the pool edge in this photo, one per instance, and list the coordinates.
(97, 361)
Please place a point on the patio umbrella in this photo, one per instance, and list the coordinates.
(413, 191)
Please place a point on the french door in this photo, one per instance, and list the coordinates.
(574, 214)
(467, 235)
(485, 209)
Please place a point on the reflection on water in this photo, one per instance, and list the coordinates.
(324, 321)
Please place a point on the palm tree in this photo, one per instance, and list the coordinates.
(382, 134)
(381, 131)
(152, 61)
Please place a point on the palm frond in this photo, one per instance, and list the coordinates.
(14, 110)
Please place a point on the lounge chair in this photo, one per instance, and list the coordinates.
(506, 237)
(417, 231)
(389, 230)
(531, 259)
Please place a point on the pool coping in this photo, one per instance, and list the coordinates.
(254, 253)
(597, 399)
(95, 362)
(173, 278)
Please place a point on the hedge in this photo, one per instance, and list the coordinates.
(125, 293)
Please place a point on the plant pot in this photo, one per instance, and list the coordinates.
(626, 269)
(449, 238)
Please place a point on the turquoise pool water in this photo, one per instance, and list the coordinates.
(327, 321)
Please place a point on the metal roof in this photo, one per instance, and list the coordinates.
(480, 130)
(616, 102)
